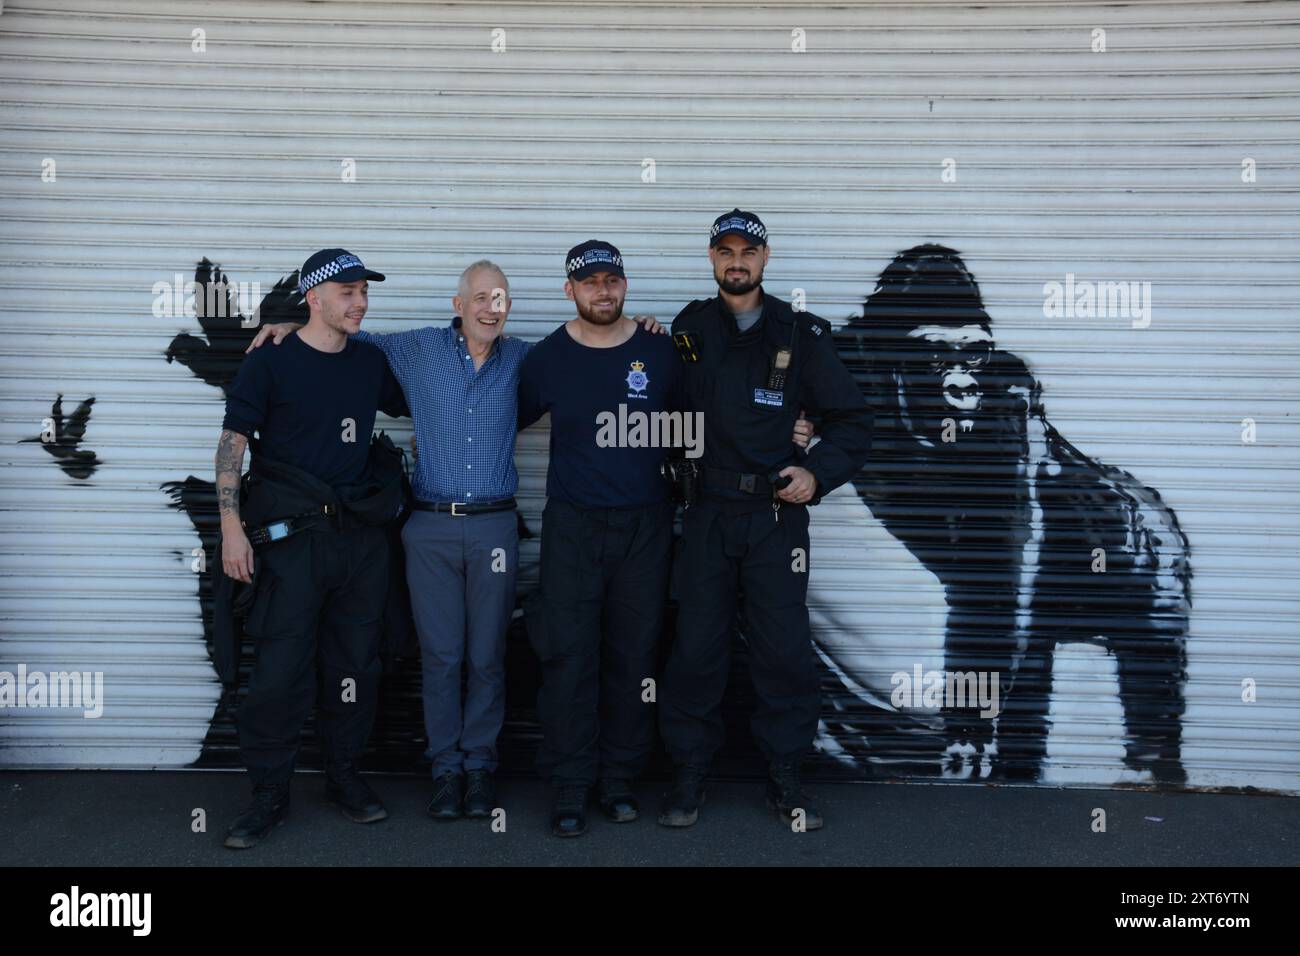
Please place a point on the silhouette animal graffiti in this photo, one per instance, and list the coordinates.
(969, 474)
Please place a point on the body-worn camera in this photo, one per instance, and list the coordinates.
(684, 477)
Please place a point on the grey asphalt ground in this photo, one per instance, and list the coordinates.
(118, 818)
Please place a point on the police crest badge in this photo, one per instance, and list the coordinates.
(637, 379)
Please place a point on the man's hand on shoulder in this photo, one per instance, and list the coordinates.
(276, 332)
(650, 324)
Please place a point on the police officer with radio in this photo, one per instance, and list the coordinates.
(752, 363)
(308, 539)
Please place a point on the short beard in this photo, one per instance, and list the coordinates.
(587, 316)
(738, 286)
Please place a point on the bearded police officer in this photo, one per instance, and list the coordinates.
(606, 539)
(752, 363)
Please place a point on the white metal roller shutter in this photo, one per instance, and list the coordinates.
(1108, 166)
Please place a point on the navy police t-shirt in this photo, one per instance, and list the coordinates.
(607, 405)
(301, 400)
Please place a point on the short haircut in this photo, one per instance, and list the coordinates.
(462, 285)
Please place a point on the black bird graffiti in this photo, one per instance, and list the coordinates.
(1012, 519)
(68, 433)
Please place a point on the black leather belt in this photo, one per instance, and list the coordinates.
(461, 508)
(722, 480)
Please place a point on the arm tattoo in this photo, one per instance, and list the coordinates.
(230, 464)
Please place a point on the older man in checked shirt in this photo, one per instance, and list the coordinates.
(461, 542)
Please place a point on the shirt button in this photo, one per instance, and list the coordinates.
(468, 467)
(469, 439)
(469, 494)
(470, 411)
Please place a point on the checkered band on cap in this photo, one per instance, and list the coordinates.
(734, 223)
(593, 257)
(328, 270)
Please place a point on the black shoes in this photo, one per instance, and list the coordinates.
(786, 797)
(346, 790)
(617, 801)
(681, 806)
(448, 796)
(480, 795)
(569, 818)
(456, 795)
(269, 807)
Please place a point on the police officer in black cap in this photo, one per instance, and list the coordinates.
(752, 363)
(596, 619)
(308, 539)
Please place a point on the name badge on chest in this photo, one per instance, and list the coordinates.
(767, 396)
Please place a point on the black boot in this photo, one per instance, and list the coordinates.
(448, 796)
(569, 818)
(480, 795)
(681, 805)
(346, 790)
(269, 807)
(617, 801)
(786, 797)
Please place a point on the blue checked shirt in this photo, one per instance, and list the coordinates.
(465, 419)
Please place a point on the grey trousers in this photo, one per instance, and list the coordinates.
(461, 571)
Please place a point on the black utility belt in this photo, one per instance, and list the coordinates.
(462, 508)
(282, 528)
(764, 486)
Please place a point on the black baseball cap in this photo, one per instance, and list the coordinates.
(333, 265)
(741, 223)
(593, 256)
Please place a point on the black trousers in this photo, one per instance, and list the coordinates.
(595, 623)
(318, 608)
(723, 552)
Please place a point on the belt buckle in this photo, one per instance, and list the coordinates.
(747, 483)
(458, 514)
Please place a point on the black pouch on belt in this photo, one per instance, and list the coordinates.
(380, 498)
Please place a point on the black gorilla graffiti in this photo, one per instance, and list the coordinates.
(970, 476)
